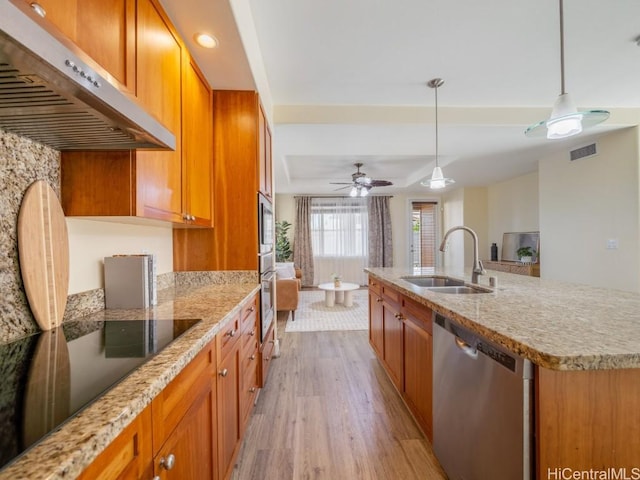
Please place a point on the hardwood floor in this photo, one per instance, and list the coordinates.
(329, 411)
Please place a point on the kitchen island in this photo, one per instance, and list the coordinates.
(583, 343)
(76, 443)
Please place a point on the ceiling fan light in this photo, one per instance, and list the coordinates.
(353, 192)
(364, 192)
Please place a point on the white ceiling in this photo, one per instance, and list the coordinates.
(347, 80)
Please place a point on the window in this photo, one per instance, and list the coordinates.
(339, 238)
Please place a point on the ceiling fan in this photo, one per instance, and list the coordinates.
(360, 183)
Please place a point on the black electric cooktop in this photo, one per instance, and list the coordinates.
(48, 377)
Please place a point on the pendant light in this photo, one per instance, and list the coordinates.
(437, 179)
(565, 119)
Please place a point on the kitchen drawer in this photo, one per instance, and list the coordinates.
(375, 285)
(420, 314)
(248, 392)
(391, 295)
(266, 353)
(228, 337)
(249, 315)
(249, 339)
(172, 403)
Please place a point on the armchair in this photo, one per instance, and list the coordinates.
(288, 293)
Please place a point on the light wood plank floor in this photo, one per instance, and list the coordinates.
(329, 411)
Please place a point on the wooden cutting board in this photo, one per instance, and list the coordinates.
(43, 246)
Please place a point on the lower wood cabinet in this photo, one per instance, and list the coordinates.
(400, 333)
(266, 354)
(184, 423)
(376, 323)
(228, 402)
(128, 456)
(193, 429)
(418, 363)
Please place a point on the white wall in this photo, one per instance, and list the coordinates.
(452, 215)
(476, 218)
(512, 207)
(90, 241)
(585, 203)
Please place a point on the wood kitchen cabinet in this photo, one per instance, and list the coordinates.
(393, 358)
(418, 363)
(228, 399)
(249, 361)
(400, 333)
(264, 155)
(266, 354)
(173, 438)
(376, 323)
(184, 422)
(173, 186)
(129, 456)
(104, 30)
(233, 242)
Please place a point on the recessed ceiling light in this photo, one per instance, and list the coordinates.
(205, 40)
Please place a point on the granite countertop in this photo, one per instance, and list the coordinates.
(556, 325)
(65, 452)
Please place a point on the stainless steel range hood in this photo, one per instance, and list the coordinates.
(51, 92)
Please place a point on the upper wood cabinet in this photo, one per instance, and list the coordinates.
(233, 242)
(264, 155)
(159, 55)
(105, 30)
(173, 186)
(197, 146)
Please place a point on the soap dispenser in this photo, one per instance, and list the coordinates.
(494, 252)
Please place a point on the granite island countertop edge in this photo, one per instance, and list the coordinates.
(576, 338)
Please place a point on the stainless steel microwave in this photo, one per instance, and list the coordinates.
(265, 224)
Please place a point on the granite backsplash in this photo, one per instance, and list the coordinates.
(22, 162)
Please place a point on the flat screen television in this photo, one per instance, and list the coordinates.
(512, 241)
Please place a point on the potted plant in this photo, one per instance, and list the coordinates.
(526, 254)
(283, 246)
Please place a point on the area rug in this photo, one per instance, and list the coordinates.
(313, 315)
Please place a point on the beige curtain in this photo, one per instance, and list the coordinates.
(380, 241)
(302, 250)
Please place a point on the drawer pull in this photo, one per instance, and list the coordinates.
(252, 309)
(231, 333)
(252, 389)
(253, 332)
(252, 357)
(224, 373)
(168, 462)
(379, 300)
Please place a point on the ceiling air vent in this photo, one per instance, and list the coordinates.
(587, 151)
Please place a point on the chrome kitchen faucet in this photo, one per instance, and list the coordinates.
(478, 269)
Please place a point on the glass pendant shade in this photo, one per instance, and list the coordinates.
(565, 120)
(437, 180)
(353, 192)
(364, 192)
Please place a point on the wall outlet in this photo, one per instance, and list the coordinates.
(612, 244)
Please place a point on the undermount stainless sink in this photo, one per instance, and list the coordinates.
(442, 284)
(433, 281)
(465, 289)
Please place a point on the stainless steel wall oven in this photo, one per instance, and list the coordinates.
(266, 264)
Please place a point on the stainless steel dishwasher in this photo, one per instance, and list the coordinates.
(482, 401)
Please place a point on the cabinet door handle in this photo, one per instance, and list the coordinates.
(231, 333)
(168, 462)
(379, 300)
(253, 332)
(252, 389)
(224, 373)
(252, 357)
(252, 309)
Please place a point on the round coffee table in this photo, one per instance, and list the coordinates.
(342, 294)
